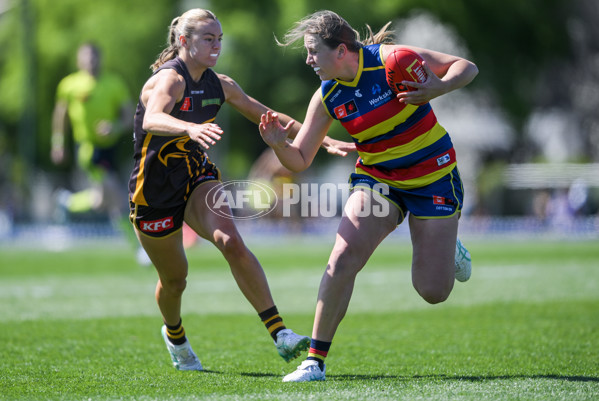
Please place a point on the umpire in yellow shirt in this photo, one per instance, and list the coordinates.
(97, 106)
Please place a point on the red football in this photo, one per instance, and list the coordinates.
(404, 65)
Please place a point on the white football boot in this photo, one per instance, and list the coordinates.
(463, 263)
(290, 344)
(182, 355)
(308, 371)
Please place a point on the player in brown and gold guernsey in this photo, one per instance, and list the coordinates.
(174, 126)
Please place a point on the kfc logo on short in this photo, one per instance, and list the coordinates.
(157, 226)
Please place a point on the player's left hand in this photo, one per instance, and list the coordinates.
(338, 148)
(424, 91)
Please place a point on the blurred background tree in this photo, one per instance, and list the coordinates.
(39, 41)
(524, 49)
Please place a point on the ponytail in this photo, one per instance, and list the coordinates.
(173, 46)
(333, 30)
(182, 25)
(383, 36)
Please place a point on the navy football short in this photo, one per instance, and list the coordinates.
(441, 199)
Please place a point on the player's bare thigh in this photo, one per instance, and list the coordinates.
(206, 218)
(167, 254)
(366, 221)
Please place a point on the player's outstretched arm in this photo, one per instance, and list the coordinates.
(298, 155)
(252, 109)
(276, 136)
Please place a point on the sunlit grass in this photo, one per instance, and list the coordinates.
(83, 324)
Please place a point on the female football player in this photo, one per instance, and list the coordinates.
(174, 125)
(406, 164)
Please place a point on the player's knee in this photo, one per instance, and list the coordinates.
(347, 260)
(174, 286)
(433, 294)
(435, 298)
(231, 246)
(343, 268)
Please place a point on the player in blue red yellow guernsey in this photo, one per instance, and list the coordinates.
(406, 166)
(172, 175)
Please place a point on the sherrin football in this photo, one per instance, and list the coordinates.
(404, 65)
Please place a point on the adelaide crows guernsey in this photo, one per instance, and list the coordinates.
(167, 166)
(401, 145)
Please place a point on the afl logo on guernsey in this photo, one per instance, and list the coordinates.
(346, 109)
(187, 104)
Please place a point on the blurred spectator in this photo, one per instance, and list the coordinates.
(99, 111)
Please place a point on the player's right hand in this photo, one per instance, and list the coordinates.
(205, 134)
(271, 130)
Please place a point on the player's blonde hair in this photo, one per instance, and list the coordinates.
(183, 25)
(334, 30)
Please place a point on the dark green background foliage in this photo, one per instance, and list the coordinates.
(510, 40)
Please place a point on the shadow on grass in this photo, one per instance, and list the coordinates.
(438, 377)
(465, 378)
(252, 374)
(217, 372)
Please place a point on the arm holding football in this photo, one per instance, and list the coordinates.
(419, 75)
(458, 75)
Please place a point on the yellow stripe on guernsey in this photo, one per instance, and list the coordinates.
(353, 83)
(387, 125)
(420, 142)
(415, 182)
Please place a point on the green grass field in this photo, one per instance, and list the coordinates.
(83, 324)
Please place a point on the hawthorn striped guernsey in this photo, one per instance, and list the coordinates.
(167, 167)
(401, 145)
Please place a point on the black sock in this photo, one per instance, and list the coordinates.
(272, 321)
(318, 352)
(176, 334)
